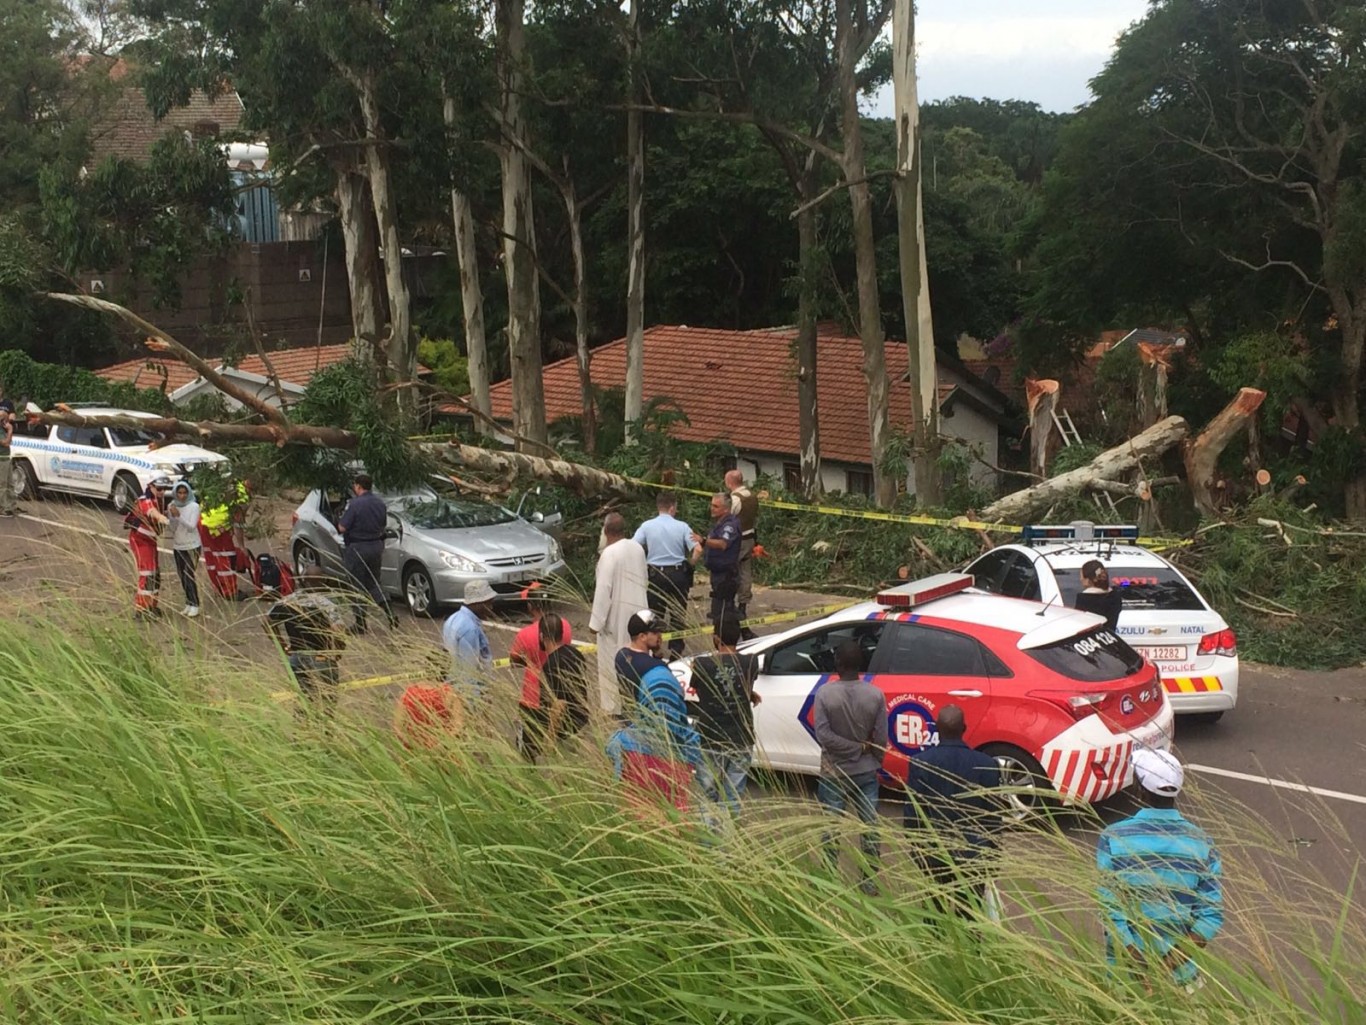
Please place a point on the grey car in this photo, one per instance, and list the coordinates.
(438, 540)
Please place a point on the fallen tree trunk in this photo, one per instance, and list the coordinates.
(1202, 453)
(1109, 466)
(581, 479)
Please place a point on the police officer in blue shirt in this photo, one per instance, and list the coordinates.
(670, 554)
(362, 527)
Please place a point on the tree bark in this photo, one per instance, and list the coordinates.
(1042, 397)
(581, 479)
(471, 294)
(583, 356)
(635, 231)
(1202, 453)
(519, 229)
(865, 254)
(808, 396)
(159, 340)
(399, 350)
(1111, 465)
(361, 244)
(915, 293)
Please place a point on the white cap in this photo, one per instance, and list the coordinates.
(1158, 772)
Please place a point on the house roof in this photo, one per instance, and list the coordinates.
(127, 130)
(295, 366)
(740, 386)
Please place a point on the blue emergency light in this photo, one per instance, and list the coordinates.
(1079, 530)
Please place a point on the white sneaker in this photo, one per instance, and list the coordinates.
(190, 611)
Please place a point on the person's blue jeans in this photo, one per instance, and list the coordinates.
(723, 774)
(858, 793)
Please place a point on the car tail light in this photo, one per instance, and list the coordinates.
(293, 519)
(1225, 642)
(1077, 705)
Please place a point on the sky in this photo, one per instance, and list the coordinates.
(1040, 50)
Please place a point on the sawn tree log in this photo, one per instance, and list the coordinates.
(1111, 465)
(1202, 453)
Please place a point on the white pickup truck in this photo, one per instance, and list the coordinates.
(116, 463)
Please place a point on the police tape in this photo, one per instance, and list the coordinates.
(910, 519)
(418, 676)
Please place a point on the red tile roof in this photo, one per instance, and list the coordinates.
(295, 366)
(128, 130)
(739, 386)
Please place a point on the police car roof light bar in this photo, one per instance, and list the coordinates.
(1081, 530)
(919, 592)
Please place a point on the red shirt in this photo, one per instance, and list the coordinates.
(426, 713)
(527, 646)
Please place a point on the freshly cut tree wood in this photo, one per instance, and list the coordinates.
(1111, 465)
(1202, 453)
(1042, 398)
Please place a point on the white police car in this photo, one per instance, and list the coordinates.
(1163, 615)
(116, 463)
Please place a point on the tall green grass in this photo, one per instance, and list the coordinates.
(165, 858)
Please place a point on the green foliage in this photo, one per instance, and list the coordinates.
(46, 384)
(1073, 457)
(1272, 361)
(1295, 599)
(450, 370)
(170, 855)
(344, 395)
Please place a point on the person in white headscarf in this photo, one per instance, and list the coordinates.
(183, 516)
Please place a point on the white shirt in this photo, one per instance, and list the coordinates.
(184, 527)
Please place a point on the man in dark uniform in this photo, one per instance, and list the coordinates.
(951, 786)
(721, 555)
(745, 505)
(362, 527)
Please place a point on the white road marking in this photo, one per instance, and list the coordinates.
(82, 530)
(1282, 784)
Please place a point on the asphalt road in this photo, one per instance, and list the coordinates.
(1284, 769)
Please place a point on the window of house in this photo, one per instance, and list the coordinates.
(858, 482)
(792, 476)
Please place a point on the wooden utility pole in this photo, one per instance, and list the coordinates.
(915, 290)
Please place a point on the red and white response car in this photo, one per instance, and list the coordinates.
(1054, 696)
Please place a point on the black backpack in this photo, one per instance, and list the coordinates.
(268, 574)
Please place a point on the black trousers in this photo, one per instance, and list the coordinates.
(724, 584)
(362, 560)
(668, 597)
(186, 567)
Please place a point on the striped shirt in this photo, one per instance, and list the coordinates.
(1160, 882)
(664, 717)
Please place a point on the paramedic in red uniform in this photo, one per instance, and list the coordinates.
(144, 522)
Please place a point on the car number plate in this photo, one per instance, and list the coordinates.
(1176, 654)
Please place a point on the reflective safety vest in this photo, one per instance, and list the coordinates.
(218, 520)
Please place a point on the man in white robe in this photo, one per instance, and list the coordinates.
(620, 590)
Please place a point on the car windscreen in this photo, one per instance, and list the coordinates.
(127, 437)
(432, 512)
(1093, 657)
(1141, 587)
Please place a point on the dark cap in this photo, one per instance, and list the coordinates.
(642, 622)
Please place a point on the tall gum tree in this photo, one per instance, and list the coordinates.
(1251, 122)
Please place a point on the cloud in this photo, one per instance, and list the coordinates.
(1010, 37)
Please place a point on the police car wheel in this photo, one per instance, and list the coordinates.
(125, 492)
(1023, 777)
(23, 481)
(418, 591)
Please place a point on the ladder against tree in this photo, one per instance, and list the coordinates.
(1071, 436)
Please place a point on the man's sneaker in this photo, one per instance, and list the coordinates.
(191, 611)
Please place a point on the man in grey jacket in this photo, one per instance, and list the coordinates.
(851, 727)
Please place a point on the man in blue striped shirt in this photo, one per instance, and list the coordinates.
(1160, 885)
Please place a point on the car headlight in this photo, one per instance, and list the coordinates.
(461, 564)
(555, 551)
(170, 469)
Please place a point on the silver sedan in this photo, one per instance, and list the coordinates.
(437, 542)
